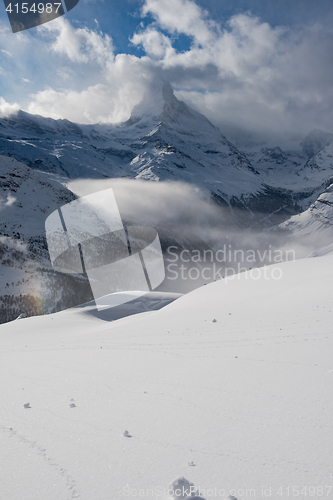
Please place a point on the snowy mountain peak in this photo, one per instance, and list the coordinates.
(160, 103)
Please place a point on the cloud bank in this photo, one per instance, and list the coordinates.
(245, 73)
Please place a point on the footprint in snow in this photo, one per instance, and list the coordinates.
(72, 405)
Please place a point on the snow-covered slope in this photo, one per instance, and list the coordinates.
(28, 283)
(320, 166)
(315, 225)
(300, 177)
(279, 167)
(27, 197)
(230, 386)
(294, 170)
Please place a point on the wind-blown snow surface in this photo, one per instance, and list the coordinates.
(246, 399)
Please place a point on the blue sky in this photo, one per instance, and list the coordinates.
(255, 64)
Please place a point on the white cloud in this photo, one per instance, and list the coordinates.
(248, 73)
(7, 109)
(182, 16)
(79, 45)
(155, 44)
(6, 52)
(96, 103)
(95, 86)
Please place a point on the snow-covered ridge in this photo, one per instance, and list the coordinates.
(315, 225)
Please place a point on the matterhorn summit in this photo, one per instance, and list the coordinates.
(160, 104)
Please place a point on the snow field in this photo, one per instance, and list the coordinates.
(240, 404)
